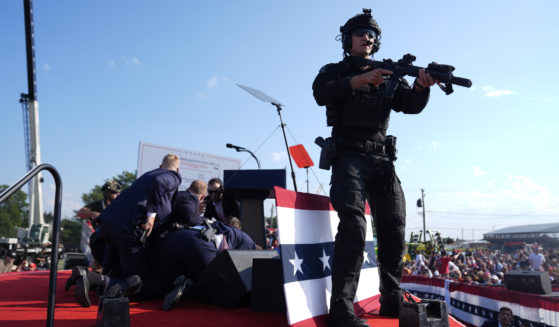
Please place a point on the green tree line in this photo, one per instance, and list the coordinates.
(14, 212)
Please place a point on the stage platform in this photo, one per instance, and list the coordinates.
(24, 296)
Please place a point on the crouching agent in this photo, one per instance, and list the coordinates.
(186, 252)
(141, 210)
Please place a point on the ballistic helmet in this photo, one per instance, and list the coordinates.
(111, 186)
(364, 20)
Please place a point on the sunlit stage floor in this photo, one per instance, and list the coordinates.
(24, 297)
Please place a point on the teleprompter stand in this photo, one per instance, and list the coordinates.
(266, 98)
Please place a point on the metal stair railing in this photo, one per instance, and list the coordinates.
(56, 227)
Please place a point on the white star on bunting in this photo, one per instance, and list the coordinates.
(296, 264)
(324, 259)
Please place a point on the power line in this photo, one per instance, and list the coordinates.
(450, 228)
(486, 215)
(258, 148)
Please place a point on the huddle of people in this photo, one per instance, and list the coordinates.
(152, 240)
(483, 266)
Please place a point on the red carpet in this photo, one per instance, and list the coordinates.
(24, 296)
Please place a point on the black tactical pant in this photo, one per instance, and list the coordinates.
(357, 178)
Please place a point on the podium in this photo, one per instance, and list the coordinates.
(251, 187)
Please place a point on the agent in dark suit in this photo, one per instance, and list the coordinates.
(222, 206)
(505, 319)
(145, 206)
(189, 206)
(185, 254)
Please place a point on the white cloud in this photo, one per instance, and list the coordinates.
(478, 171)
(492, 92)
(516, 195)
(70, 201)
(112, 63)
(214, 80)
(202, 95)
(134, 61)
(212, 83)
(491, 184)
(46, 67)
(435, 144)
(277, 156)
(498, 203)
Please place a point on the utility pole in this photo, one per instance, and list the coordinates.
(424, 229)
(273, 219)
(421, 204)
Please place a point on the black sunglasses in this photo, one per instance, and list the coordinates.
(214, 191)
(362, 31)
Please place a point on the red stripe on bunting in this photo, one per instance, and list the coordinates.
(305, 201)
(495, 293)
(437, 282)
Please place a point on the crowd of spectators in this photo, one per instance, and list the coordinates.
(12, 263)
(484, 266)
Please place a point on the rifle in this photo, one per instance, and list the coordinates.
(403, 67)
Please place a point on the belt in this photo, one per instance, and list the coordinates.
(361, 146)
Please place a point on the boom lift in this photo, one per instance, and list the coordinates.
(34, 238)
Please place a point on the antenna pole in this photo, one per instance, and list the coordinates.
(278, 106)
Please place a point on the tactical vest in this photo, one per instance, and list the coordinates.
(365, 109)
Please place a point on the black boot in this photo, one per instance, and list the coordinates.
(181, 287)
(77, 271)
(390, 304)
(130, 286)
(82, 291)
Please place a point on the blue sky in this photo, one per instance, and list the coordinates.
(113, 73)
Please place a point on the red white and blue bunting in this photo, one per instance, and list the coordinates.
(308, 225)
(476, 304)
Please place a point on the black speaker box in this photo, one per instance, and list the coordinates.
(72, 259)
(427, 313)
(228, 278)
(113, 312)
(267, 286)
(536, 282)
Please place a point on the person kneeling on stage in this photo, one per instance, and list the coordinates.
(186, 252)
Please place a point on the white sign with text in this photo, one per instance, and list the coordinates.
(194, 165)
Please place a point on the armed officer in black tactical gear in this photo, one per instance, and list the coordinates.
(362, 165)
